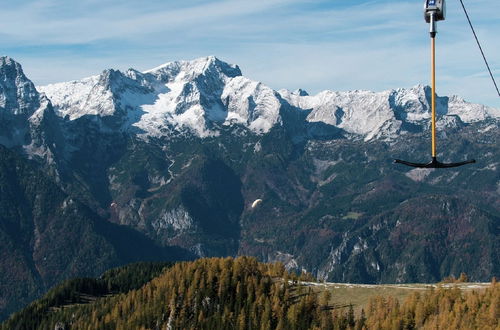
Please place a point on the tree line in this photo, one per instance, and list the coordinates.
(241, 293)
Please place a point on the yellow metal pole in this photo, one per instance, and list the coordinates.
(433, 102)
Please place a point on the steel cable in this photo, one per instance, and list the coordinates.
(480, 48)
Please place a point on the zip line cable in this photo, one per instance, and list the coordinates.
(480, 48)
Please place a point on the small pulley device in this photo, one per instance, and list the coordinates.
(436, 7)
(434, 11)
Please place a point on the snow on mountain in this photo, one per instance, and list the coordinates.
(102, 95)
(184, 94)
(416, 104)
(359, 112)
(469, 112)
(382, 114)
(252, 103)
(202, 94)
(72, 97)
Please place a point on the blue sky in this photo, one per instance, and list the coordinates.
(314, 44)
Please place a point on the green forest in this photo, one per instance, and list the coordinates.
(241, 293)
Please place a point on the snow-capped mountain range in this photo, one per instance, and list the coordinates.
(177, 95)
(202, 94)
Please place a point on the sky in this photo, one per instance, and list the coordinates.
(314, 45)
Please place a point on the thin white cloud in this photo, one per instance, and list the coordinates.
(285, 43)
(29, 22)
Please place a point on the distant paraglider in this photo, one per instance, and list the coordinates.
(256, 203)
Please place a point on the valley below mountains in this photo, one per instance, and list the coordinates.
(192, 159)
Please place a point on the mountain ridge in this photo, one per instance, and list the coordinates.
(200, 93)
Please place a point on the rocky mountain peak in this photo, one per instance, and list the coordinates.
(191, 95)
(414, 105)
(22, 109)
(189, 70)
(300, 92)
(18, 95)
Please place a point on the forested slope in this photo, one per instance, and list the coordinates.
(241, 293)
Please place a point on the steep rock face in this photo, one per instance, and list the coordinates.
(19, 100)
(18, 95)
(27, 119)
